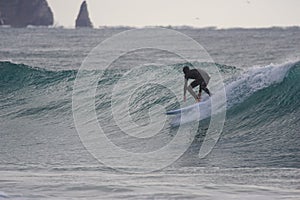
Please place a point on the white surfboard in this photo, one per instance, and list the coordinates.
(185, 109)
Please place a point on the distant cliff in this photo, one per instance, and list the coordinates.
(21, 13)
(83, 19)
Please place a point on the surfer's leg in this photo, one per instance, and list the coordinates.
(199, 94)
(194, 84)
(200, 89)
(203, 86)
(191, 91)
(207, 91)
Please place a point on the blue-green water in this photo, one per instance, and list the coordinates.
(42, 155)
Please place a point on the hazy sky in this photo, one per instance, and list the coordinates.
(199, 13)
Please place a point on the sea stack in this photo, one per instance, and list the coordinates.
(21, 13)
(1, 20)
(83, 19)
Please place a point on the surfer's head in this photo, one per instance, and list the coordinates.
(185, 69)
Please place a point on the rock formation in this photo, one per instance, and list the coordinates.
(1, 20)
(21, 13)
(83, 19)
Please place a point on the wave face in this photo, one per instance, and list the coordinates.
(265, 125)
(277, 88)
(17, 76)
(34, 92)
(262, 115)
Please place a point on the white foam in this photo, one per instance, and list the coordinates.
(253, 80)
(3, 195)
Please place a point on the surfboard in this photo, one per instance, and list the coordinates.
(185, 109)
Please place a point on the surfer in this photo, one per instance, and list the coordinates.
(200, 77)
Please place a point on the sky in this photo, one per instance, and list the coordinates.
(197, 13)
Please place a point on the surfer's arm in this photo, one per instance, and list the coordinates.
(185, 87)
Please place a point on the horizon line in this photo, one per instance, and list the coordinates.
(157, 26)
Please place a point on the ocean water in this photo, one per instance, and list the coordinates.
(49, 149)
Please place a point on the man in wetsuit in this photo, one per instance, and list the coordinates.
(200, 77)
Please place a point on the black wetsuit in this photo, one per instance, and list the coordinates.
(200, 77)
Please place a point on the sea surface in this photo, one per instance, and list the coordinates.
(61, 140)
